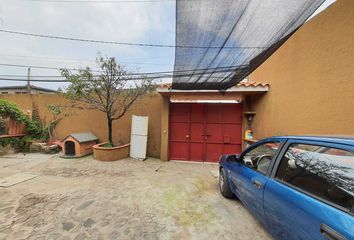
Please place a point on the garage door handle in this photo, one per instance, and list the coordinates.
(329, 233)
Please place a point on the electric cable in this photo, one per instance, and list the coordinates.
(124, 43)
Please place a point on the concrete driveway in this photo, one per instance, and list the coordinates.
(127, 199)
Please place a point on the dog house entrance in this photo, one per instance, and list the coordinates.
(69, 148)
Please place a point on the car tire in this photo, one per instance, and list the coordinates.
(224, 185)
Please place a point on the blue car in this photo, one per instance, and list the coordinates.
(297, 187)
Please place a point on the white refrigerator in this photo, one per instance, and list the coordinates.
(139, 133)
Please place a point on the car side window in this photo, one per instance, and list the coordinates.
(325, 172)
(260, 157)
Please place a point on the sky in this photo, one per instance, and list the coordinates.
(138, 22)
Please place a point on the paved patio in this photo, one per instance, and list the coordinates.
(127, 199)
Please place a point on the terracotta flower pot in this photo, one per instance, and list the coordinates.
(110, 153)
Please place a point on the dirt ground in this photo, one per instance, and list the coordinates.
(127, 199)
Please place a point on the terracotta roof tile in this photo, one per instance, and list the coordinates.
(240, 84)
(251, 84)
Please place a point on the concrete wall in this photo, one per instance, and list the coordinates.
(311, 79)
(95, 121)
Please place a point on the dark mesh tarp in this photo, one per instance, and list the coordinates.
(220, 42)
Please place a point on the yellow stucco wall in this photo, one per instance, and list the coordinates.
(311, 79)
(165, 111)
(95, 121)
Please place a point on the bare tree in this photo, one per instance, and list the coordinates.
(112, 90)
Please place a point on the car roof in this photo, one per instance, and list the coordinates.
(346, 139)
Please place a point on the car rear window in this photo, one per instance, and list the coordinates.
(325, 172)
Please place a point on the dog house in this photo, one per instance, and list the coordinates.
(78, 144)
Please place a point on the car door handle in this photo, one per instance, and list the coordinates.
(257, 183)
(330, 234)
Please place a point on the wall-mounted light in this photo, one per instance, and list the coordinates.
(250, 116)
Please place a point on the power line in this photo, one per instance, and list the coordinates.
(38, 67)
(127, 79)
(32, 80)
(79, 59)
(102, 1)
(68, 81)
(92, 62)
(35, 76)
(202, 70)
(141, 75)
(22, 77)
(121, 43)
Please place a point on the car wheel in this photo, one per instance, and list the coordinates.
(224, 185)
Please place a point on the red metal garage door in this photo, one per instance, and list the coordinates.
(202, 132)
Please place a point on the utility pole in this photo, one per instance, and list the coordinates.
(28, 81)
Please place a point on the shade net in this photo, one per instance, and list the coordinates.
(220, 42)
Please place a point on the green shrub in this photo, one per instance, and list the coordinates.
(36, 128)
(19, 144)
(8, 109)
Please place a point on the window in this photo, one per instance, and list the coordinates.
(260, 157)
(325, 172)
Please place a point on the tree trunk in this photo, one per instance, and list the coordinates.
(110, 131)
